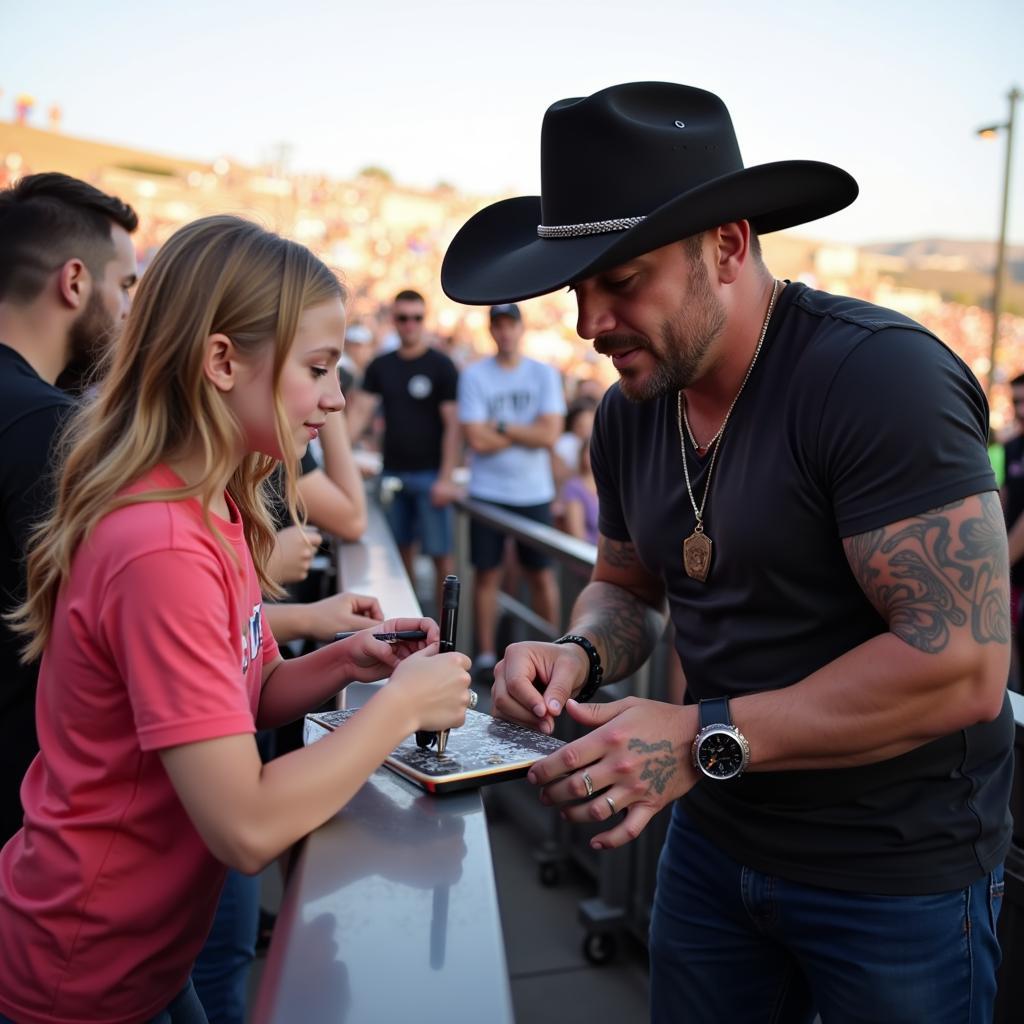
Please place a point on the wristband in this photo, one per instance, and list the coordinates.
(596, 674)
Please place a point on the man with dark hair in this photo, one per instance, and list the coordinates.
(66, 268)
(415, 385)
(804, 477)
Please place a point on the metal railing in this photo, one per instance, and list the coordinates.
(391, 911)
(624, 878)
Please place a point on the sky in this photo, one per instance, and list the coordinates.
(455, 90)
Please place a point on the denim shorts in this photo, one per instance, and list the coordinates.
(413, 518)
(731, 944)
(487, 545)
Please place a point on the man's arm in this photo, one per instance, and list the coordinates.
(484, 439)
(451, 441)
(543, 432)
(621, 612)
(360, 410)
(334, 497)
(941, 582)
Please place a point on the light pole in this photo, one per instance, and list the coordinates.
(990, 132)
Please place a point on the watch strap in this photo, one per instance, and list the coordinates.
(596, 673)
(714, 711)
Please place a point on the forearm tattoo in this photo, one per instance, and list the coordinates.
(622, 626)
(659, 768)
(944, 570)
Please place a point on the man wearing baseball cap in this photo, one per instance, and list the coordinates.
(802, 479)
(512, 410)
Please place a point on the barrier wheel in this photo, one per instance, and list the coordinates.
(550, 874)
(600, 947)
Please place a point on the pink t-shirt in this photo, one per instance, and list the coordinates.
(108, 892)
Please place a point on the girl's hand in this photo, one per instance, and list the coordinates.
(294, 548)
(342, 613)
(371, 660)
(434, 688)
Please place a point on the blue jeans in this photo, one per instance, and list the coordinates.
(185, 1008)
(731, 944)
(221, 971)
(412, 517)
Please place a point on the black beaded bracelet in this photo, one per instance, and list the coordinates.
(596, 674)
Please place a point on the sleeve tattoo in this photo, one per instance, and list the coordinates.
(941, 571)
(624, 627)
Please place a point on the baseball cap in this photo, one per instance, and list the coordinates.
(358, 334)
(506, 309)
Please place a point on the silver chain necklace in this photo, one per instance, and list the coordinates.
(697, 547)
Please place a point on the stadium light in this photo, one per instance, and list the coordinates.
(990, 132)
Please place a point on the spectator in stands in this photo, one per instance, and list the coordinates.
(67, 268)
(512, 410)
(143, 589)
(579, 500)
(415, 386)
(359, 350)
(834, 560)
(565, 456)
(1013, 508)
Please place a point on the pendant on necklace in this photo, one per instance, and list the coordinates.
(697, 555)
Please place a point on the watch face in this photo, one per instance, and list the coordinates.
(720, 755)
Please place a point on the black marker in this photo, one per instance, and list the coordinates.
(388, 638)
(449, 627)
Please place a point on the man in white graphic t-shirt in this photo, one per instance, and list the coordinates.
(512, 410)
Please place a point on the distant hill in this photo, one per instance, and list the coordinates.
(953, 254)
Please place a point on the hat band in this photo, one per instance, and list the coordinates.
(594, 227)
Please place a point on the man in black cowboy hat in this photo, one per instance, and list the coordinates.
(804, 478)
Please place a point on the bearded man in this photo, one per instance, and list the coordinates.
(803, 479)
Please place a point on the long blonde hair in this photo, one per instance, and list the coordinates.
(218, 275)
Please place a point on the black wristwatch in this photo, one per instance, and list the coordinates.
(719, 750)
(596, 674)
(500, 426)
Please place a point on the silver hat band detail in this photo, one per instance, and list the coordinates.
(594, 227)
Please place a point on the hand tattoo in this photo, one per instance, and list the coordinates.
(657, 770)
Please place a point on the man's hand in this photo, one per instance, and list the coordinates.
(342, 613)
(637, 760)
(443, 492)
(534, 680)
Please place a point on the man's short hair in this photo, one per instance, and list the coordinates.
(408, 295)
(48, 219)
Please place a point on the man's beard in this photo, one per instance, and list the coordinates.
(89, 340)
(684, 342)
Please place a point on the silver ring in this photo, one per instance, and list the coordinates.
(611, 804)
(473, 698)
(588, 782)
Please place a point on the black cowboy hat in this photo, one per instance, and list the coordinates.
(625, 171)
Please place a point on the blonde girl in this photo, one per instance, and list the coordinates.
(144, 600)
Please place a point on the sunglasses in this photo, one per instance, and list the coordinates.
(404, 318)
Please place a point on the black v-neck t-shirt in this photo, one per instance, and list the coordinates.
(854, 417)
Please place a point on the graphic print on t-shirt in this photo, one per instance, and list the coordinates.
(420, 386)
(509, 403)
(252, 637)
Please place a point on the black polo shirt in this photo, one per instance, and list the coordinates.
(854, 417)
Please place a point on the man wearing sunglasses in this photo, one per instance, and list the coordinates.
(415, 388)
